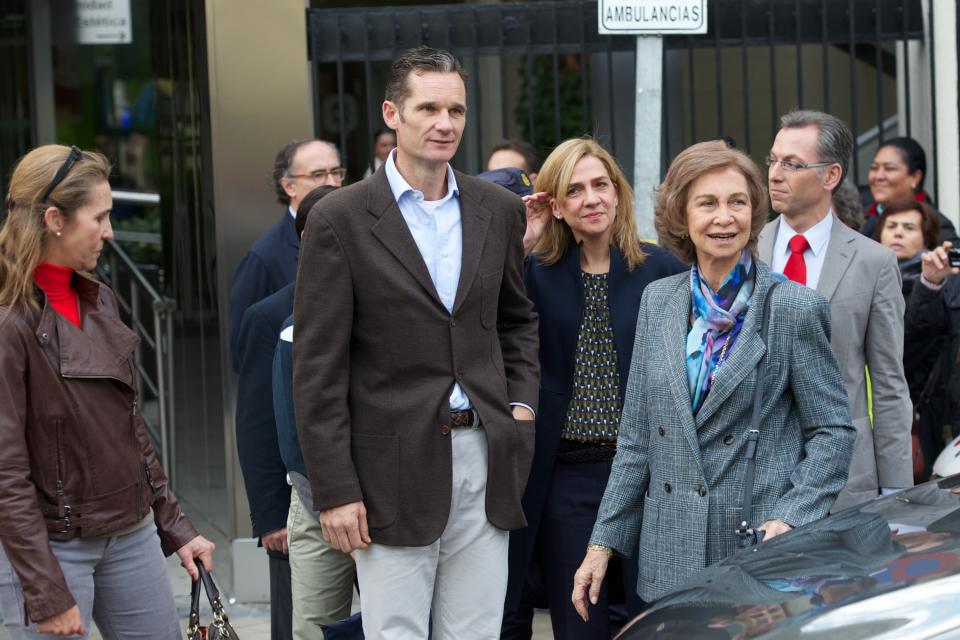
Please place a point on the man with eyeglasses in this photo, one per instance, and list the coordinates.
(261, 297)
(861, 281)
(271, 262)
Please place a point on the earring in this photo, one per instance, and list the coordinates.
(58, 234)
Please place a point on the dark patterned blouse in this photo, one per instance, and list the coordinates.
(593, 414)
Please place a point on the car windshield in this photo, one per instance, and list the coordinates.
(884, 547)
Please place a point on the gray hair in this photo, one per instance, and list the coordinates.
(419, 60)
(834, 140)
(847, 205)
(284, 160)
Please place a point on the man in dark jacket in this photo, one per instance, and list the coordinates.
(271, 263)
(264, 473)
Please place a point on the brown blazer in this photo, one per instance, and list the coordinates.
(376, 355)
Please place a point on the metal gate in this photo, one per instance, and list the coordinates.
(540, 71)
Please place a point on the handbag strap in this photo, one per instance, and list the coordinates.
(746, 501)
(220, 618)
(193, 626)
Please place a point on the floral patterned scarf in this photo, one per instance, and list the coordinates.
(717, 320)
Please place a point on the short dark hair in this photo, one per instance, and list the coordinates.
(912, 155)
(834, 139)
(284, 160)
(306, 205)
(524, 148)
(929, 220)
(419, 60)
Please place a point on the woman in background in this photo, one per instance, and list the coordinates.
(897, 174)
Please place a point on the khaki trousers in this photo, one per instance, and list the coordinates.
(321, 578)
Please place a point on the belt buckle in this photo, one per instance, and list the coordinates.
(475, 424)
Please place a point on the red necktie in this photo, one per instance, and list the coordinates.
(796, 268)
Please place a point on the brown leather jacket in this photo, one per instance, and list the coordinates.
(75, 458)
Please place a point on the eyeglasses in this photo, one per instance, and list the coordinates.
(75, 155)
(786, 165)
(339, 173)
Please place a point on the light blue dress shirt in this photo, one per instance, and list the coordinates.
(438, 232)
(436, 228)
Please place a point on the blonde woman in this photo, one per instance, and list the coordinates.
(585, 276)
(86, 514)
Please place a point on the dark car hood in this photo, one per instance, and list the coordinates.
(888, 568)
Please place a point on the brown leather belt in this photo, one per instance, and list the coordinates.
(467, 418)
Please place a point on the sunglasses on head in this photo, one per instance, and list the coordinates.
(75, 155)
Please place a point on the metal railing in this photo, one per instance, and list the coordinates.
(150, 315)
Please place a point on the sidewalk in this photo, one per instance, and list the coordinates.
(252, 621)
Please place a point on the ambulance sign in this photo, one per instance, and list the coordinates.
(652, 17)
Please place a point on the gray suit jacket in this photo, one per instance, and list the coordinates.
(376, 354)
(861, 281)
(677, 478)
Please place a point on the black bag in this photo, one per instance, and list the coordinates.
(220, 629)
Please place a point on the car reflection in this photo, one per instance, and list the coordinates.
(885, 569)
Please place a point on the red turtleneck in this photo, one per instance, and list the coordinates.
(56, 283)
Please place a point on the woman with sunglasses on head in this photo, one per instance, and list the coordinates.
(86, 514)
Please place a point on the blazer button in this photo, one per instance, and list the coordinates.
(702, 491)
(453, 322)
(728, 439)
(445, 429)
(667, 487)
(44, 337)
(662, 431)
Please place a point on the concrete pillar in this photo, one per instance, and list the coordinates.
(934, 104)
(947, 162)
(260, 99)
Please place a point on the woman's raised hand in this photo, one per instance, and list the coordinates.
(538, 213)
(936, 263)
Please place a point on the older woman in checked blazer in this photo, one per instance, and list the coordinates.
(677, 478)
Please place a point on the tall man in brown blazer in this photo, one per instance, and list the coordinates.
(415, 370)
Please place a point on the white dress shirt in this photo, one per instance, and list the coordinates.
(818, 237)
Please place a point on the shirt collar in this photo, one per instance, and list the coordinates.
(292, 212)
(818, 236)
(400, 187)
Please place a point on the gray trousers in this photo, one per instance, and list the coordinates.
(121, 583)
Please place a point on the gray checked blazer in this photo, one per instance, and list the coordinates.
(677, 478)
(861, 281)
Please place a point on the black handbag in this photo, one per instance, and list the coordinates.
(220, 629)
(747, 535)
